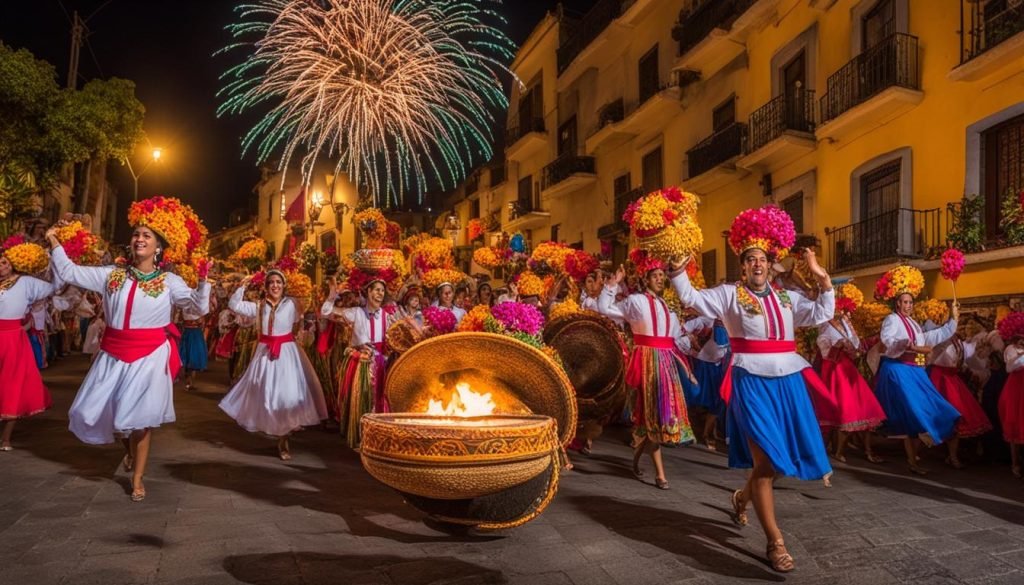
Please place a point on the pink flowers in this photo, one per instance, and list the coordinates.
(440, 320)
(952, 264)
(1012, 326)
(768, 228)
(518, 318)
(644, 262)
(13, 241)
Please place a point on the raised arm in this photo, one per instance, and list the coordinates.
(183, 297)
(240, 306)
(710, 302)
(937, 336)
(328, 307)
(92, 278)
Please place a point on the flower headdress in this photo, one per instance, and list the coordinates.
(897, 281)
(644, 262)
(665, 222)
(932, 310)
(1011, 327)
(848, 298)
(549, 257)
(766, 228)
(174, 221)
(579, 264)
(530, 285)
(80, 245)
(438, 277)
(25, 257)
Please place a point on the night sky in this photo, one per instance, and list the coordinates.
(166, 48)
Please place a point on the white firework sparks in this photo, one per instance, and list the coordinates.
(395, 90)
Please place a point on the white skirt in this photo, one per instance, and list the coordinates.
(276, 397)
(118, 397)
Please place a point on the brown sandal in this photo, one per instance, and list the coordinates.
(739, 510)
(779, 558)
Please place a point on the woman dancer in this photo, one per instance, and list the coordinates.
(446, 300)
(709, 368)
(279, 393)
(858, 409)
(193, 346)
(659, 412)
(22, 393)
(129, 388)
(1011, 401)
(485, 295)
(771, 422)
(946, 361)
(914, 409)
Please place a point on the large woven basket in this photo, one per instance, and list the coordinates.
(373, 259)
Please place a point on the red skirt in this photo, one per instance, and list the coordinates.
(856, 405)
(973, 421)
(22, 392)
(1011, 408)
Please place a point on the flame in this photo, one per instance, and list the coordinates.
(464, 402)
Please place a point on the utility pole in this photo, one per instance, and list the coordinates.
(77, 31)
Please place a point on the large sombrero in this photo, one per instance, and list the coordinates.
(523, 379)
(592, 350)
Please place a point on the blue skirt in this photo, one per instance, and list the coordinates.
(777, 415)
(707, 392)
(912, 405)
(37, 350)
(193, 350)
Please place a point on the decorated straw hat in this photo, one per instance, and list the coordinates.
(767, 228)
(591, 349)
(523, 380)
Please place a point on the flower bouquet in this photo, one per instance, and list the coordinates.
(665, 223)
(1011, 327)
(953, 263)
(530, 285)
(549, 257)
(373, 225)
(897, 281)
(488, 258)
(932, 310)
(82, 246)
(24, 256)
(252, 254)
(438, 321)
(436, 277)
(309, 256)
(475, 229)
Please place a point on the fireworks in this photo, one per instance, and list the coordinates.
(396, 90)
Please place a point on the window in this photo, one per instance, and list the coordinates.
(621, 186)
(652, 177)
(567, 137)
(270, 208)
(1004, 168)
(794, 206)
(525, 199)
(648, 73)
(531, 107)
(709, 266)
(724, 115)
(878, 24)
(474, 208)
(880, 190)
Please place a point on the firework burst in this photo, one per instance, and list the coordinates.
(394, 90)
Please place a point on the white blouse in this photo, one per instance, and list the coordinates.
(646, 314)
(951, 353)
(829, 336)
(770, 319)
(1014, 357)
(897, 341)
(285, 315)
(15, 301)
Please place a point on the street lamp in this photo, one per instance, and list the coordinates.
(316, 207)
(157, 153)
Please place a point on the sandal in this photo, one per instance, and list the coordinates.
(6, 448)
(954, 463)
(839, 457)
(739, 509)
(915, 468)
(661, 484)
(872, 458)
(138, 494)
(779, 558)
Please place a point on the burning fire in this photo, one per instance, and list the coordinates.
(464, 402)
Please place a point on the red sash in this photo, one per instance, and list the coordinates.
(10, 324)
(274, 343)
(821, 397)
(325, 342)
(130, 345)
(653, 341)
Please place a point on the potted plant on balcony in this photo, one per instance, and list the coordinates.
(1012, 220)
(965, 232)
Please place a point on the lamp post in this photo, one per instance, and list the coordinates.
(316, 207)
(155, 157)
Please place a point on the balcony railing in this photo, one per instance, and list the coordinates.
(716, 149)
(565, 166)
(472, 182)
(893, 62)
(513, 134)
(622, 201)
(593, 24)
(523, 206)
(989, 25)
(708, 16)
(792, 111)
(900, 233)
(610, 113)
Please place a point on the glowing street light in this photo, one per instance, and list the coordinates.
(156, 155)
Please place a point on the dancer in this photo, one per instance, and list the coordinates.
(279, 393)
(22, 393)
(193, 346)
(709, 368)
(946, 360)
(858, 409)
(361, 373)
(446, 300)
(659, 412)
(484, 295)
(771, 422)
(1011, 401)
(914, 409)
(128, 391)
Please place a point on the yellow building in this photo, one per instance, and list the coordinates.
(867, 120)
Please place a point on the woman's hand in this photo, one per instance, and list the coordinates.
(955, 310)
(676, 263)
(615, 279)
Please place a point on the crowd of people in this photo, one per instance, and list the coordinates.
(727, 354)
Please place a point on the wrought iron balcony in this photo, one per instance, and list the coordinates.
(793, 111)
(589, 28)
(894, 62)
(716, 149)
(521, 207)
(514, 133)
(610, 113)
(564, 167)
(900, 233)
(708, 16)
(989, 25)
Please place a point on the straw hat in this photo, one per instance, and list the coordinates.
(592, 350)
(524, 373)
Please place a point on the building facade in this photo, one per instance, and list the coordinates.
(868, 120)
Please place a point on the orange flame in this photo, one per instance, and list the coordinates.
(464, 402)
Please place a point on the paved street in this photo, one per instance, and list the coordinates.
(221, 508)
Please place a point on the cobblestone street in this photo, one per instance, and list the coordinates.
(221, 508)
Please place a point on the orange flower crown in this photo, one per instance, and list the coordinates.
(174, 221)
(903, 279)
(27, 258)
